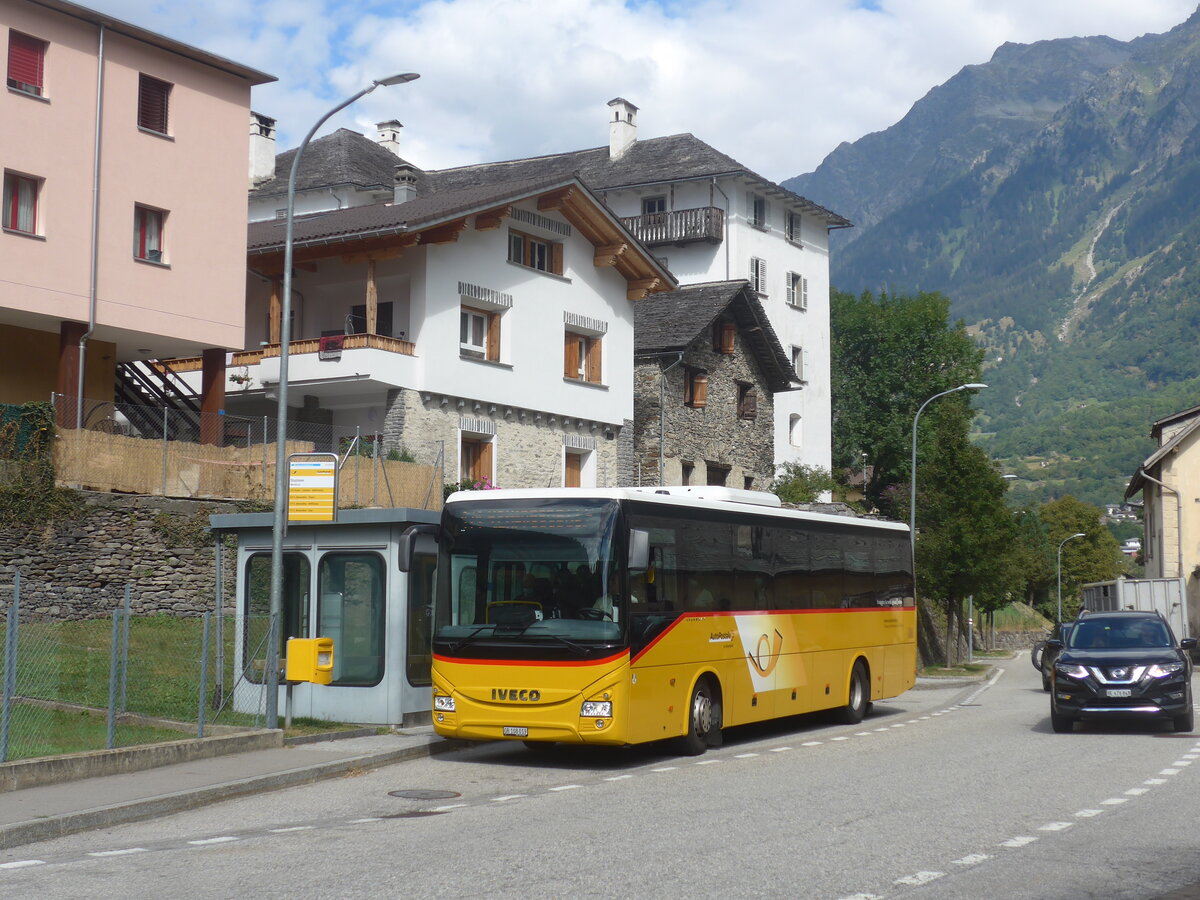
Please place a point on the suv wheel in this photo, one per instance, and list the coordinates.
(1186, 722)
(1061, 724)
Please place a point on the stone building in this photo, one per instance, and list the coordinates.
(707, 367)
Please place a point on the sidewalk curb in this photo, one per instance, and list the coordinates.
(32, 831)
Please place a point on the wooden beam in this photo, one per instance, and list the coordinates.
(609, 254)
(372, 298)
(491, 219)
(642, 287)
(275, 312)
(555, 199)
(444, 234)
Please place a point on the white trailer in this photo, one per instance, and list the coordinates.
(1164, 595)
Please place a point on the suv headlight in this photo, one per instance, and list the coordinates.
(596, 709)
(442, 703)
(1070, 670)
(1162, 670)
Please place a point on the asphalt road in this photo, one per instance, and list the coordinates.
(949, 793)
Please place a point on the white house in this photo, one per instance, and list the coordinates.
(494, 321)
(705, 217)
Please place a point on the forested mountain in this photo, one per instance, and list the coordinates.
(1053, 193)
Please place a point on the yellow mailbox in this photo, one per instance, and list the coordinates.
(310, 659)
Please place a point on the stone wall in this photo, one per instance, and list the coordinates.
(711, 436)
(160, 548)
(528, 445)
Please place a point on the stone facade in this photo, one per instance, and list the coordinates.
(528, 446)
(714, 437)
(79, 569)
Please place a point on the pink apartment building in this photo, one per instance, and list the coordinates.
(123, 224)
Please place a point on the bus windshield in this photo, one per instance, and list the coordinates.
(540, 572)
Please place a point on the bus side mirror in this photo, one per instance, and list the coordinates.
(407, 545)
(639, 549)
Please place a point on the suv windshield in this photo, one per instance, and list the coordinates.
(1119, 634)
(529, 570)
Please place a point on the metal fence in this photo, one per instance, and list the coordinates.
(116, 681)
(182, 453)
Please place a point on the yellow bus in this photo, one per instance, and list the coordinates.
(620, 616)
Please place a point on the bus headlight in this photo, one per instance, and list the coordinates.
(596, 709)
(443, 703)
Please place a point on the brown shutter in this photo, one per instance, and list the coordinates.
(571, 356)
(728, 332)
(484, 467)
(573, 472)
(152, 104)
(493, 337)
(593, 360)
(699, 390)
(751, 404)
(556, 258)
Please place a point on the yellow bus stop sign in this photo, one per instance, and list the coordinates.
(312, 487)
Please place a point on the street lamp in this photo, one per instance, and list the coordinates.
(285, 335)
(912, 474)
(1060, 546)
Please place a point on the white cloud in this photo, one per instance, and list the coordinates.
(774, 84)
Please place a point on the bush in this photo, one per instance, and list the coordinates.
(798, 483)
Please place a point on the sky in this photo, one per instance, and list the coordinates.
(776, 84)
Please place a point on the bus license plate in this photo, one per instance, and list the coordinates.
(1122, 692)
(516, 731)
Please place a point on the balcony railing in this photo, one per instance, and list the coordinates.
(308, 345)
(681, 226)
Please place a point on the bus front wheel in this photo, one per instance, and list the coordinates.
(858, 701)
(704, 720)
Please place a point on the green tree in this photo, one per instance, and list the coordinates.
(798, 483)
(890, 354)
(1095, 557)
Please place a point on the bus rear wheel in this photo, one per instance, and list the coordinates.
(859, 699)
(704, 720)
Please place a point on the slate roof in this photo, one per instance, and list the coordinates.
(668, 322)
(346, 157)
(381, 219)
(1139, 479)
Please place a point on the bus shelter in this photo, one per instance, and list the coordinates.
(341, 580)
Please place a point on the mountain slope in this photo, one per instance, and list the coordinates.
(1064, 234)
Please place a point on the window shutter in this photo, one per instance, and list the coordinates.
(25, 57)
(593, 360)
(728, 336)
(760, 275)
(791, 289)
(152, 104)
(803, 293)
(571, 356)
(556, 258)
(493, 337)
(751, 410)
(484, 462)
(699, 390)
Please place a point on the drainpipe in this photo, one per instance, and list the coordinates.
(92, 276)
(662, 414)
(1178, 516)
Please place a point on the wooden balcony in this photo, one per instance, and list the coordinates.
(308, 345)
(679, 227)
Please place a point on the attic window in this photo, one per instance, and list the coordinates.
(724, 336)
(747, 404)
(695, 388)
(534, 252)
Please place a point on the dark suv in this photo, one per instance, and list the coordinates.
(1121, 663)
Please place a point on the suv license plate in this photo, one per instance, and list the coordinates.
(1123, 692)
(522, 731)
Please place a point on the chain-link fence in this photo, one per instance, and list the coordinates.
(116, 681)
(182, 453)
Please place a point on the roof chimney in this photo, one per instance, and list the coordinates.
(388, 135)
(622, 128)
(404, 183)
(262, 148)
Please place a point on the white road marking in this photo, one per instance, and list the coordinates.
(1137, 792)
(293, 828)
(971, 860)
(744, 755)
(1169, 772)
(457, 806)
(217, 840)
(1088, 813)
(1055, 826)
(1021, 841)
(862, 734)
(1182, 762)
(365, 821)
(22, 863)
(862, 897)
(780, 749)
(565, 787)
(898, 725)
(811, 744)
(665, 769)
(1114, 801)
(622, 777)
(119, 852)
(1155, 781)
(841, 737)
(703, 762)
(508, 797)
(919, 878)
(880, 729)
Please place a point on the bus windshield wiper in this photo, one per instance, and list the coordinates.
(462, 642)
(511, 631)
(578, 648)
